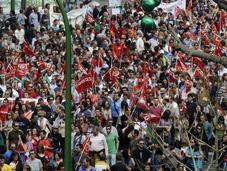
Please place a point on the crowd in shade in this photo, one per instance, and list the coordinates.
(139, 103)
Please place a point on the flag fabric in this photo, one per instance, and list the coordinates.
(119, 50)
(28, 115)
(151, 118)
(4, 110)
(84, 83)
(183, 107)
(213, 27)
(2, 68)
(188, 86)
(221, 21)
(89, 18)
(190, 6)
(22, 70)
(28, 50)
(171, 77)
(177, 11)
(216, 40)
(10, 71)
(198, 62)
(111, 75)
(180, 66)
(113, 29)
(86, 144)
(217, 51)
(205, 39)
(198, 73)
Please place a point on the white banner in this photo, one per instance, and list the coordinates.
(171, 7)
(75, 16)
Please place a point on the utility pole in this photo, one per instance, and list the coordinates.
(68, 116)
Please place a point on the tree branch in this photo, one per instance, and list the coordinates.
(197, 53)
(221, 3)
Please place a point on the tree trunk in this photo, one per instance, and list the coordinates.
(197, 53)
(23, 4)
(43, 4)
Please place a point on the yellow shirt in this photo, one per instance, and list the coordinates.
(6, 167)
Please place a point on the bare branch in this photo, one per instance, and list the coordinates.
(198, 53)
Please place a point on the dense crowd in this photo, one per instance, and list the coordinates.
(149, 107)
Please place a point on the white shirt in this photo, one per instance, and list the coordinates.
(19, 34)
(222, 72)
(140, 44)
(98, 143)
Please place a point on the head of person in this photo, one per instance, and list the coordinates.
(141, 144)
(32, 154)
(2, 160)
(16, 125)
(95, 130)
(108, 129)
(86, 162)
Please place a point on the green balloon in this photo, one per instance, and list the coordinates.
(147, 23)
(148, 5)
(157, 2)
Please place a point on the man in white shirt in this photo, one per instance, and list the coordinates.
(98, 142)
(140, 43)
(173, 106)
(19, 34)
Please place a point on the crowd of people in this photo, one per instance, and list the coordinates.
(149, 107)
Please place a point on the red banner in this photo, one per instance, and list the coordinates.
(84, 83)
(22, 70)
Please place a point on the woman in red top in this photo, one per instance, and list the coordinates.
(46, 144)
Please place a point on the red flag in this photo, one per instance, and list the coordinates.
(28, 115)
(213, 27)
(216, 40)
(180, 66)
(89, 18)
(217, 51)
(183, 107)
(171, 77)
(188, 85)
(198, 62)
(189, 7)
(22, 70)
(205, 39)
(41, 65)
(2, 68)
(28, 50)
(10, 71)
(221, 21)
(111, 75)
(113, 30)
(4, 110)
(119, 50)
(151, 118)
(141, 104)
(84, 83)
(177, 11)
(198, 73)
(86, 144)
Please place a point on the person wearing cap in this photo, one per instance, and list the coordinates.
(33, 162)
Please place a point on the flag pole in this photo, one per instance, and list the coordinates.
(68, 116)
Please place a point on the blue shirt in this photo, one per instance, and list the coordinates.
(82, 168)
(116, 108)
